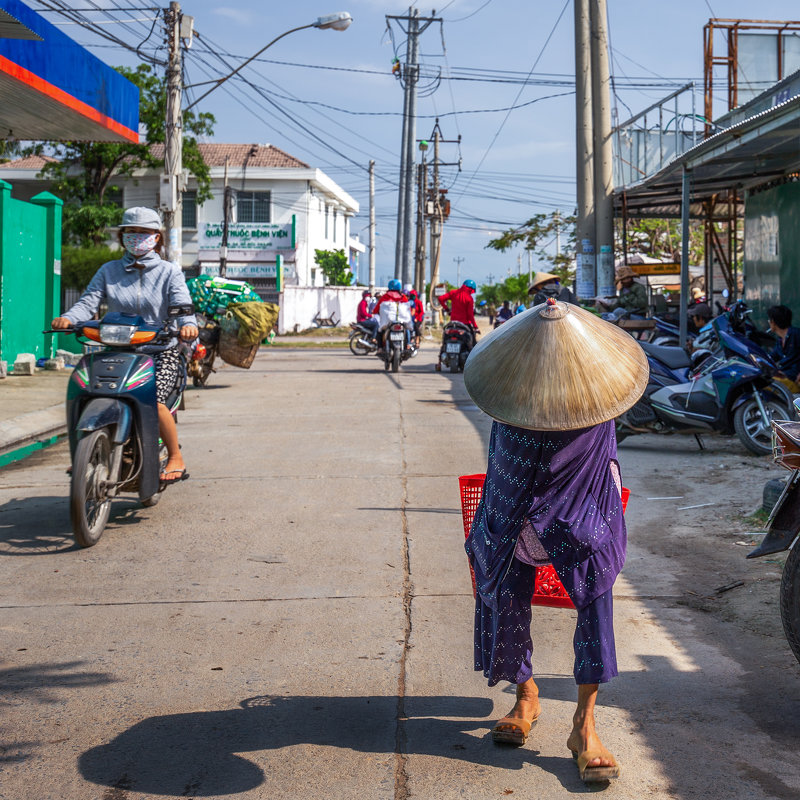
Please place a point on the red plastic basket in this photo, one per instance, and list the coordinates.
(548, 589)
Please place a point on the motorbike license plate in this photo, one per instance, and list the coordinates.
(396, 337)
(453, 347)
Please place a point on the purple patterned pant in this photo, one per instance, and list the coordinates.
(503, 644)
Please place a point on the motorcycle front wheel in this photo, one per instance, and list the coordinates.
(89, 504)
(790, 600)
(750, 428)
(357, 347)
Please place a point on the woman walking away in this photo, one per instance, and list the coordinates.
(553, 379)
(142, 283)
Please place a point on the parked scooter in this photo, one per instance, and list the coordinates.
(731, 391)
(397, 345)
(201, 363)
(783, 526)
(459, 339)
(112, 418)
(362, 342)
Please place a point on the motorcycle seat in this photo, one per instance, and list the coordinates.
(673, 357)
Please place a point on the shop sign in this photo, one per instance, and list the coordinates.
(248, 236)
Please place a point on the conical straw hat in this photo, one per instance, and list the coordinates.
(556, 367)
(542, 277)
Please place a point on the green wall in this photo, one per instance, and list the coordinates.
(772, 250)
(30, 273)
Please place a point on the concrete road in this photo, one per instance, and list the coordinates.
(296, 620)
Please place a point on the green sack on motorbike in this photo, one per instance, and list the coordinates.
(255, 320)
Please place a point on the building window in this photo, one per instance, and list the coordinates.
(189, 209)
(253, 207)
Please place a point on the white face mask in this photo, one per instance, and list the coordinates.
(138, 244)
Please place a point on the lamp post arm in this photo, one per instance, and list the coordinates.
(219, 82)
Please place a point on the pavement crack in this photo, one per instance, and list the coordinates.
(401, 736)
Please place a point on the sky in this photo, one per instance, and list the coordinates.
(329, 98)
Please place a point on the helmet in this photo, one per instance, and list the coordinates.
(470, 284)
(395, 285)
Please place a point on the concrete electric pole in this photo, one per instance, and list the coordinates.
(603, 152)
(171, 179)
(372, 226)
(584, 175)
(458, 260)
(416, 25)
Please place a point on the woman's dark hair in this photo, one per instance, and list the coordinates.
(159, 248)
(780, 315)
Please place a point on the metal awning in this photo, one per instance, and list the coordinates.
(51, 88)
(760, 148)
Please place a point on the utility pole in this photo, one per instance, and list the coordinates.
(603, 154)
(530, 269)
(490, 278)
(436, 228)
(585, 223)
(171, 179)
(226, 204)
(422, 193)
(416, 26)
(372, 226)
(458, 260)
(519, 264)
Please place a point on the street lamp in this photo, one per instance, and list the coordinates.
(340, 21)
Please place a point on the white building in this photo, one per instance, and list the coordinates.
(282, 210)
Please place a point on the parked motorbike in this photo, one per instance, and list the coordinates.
(730, 391)
(783, 526)
(397, 345)
(362, 342)
(201, 363)
(458, 339)
(112, 418)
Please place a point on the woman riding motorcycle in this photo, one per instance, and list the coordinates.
(142, 283)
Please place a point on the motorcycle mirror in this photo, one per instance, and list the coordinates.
(181, 311)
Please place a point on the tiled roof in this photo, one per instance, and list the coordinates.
(263, 155)
(30, 162)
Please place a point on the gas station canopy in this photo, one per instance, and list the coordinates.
(51, 88)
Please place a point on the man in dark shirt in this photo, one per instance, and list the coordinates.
(787, 352)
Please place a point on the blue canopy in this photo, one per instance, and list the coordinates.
(52, 88)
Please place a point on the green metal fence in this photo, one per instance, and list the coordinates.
(30, 273)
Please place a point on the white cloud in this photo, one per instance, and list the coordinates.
(243, 17)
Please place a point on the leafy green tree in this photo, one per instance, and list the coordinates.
(661, 238)
(334, 266)
(79, 264)
(84, 172)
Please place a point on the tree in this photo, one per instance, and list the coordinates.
(334, 266)
(84, 172)
(661, 238)
(533, 235)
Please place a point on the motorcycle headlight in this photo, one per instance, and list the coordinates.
(116, 334)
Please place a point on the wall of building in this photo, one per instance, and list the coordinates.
(300, 304)
(772, 250)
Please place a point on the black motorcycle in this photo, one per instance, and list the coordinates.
(458, 339)
(783, 526)
(112, 417)
(201, 364)
(396, 345)
(362, 342)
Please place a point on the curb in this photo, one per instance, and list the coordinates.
(32, 428)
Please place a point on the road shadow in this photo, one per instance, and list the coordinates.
(34, 526)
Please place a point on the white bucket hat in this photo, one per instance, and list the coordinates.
(141, 217)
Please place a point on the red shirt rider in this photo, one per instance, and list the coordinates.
(362, 312)
(463, 304)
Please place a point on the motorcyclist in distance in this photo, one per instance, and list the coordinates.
(417, 314)
(364, 315)
(392, 306)
(460, 304)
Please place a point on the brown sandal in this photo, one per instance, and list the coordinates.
(518, 733)
(596, 774)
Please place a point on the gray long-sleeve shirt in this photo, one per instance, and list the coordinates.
(147, 291)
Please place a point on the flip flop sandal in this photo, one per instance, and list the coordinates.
(518, 733)
(595, 774)
(184, 475)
